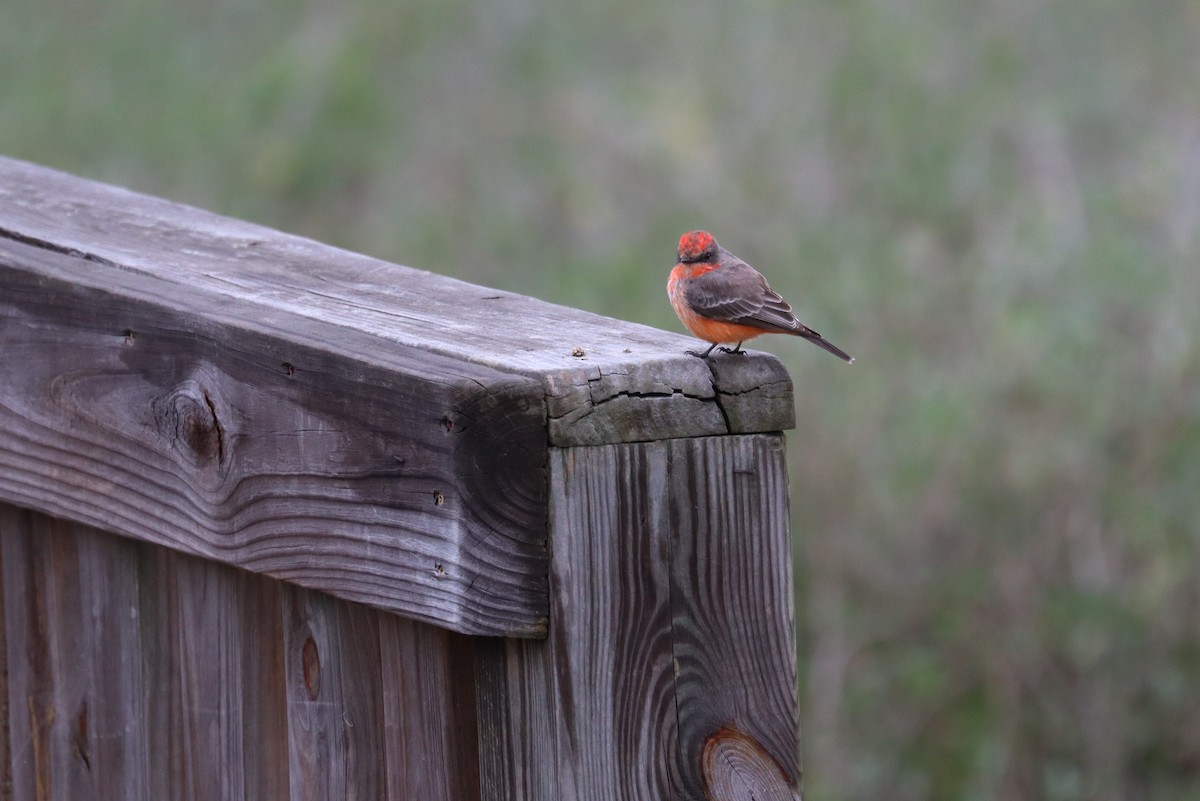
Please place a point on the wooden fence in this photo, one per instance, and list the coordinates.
(281, 521)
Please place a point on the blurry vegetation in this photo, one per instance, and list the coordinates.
(993, 204)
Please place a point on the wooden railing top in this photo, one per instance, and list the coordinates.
(331, 419)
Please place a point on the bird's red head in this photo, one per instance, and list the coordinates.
(697, 246)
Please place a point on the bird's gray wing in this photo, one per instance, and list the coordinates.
(737, 293)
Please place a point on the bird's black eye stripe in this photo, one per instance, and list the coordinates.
(707, 255)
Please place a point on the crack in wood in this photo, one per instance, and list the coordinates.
(594, 402)
(42, 244)
(717, 393)
(715, 399)
(757, 388)
(630, 393)
(212, 408)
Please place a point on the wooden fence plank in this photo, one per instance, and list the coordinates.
(264, 690)
(115, 743)
(669, 671)
(611, 622)
(334, 698)
(138, 672)
(195, 670)
(432, 738)
(72, 652)
(39, 707)
(518, 727)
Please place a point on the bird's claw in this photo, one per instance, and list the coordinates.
(732, 351)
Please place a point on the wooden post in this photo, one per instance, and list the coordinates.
(669, 671)
(281, 521)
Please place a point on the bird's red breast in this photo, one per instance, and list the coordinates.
(705, 328)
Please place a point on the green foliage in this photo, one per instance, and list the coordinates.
(995, 206)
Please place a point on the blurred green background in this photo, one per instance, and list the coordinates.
(993, 204)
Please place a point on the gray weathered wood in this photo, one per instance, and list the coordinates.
(348, 425)
(335, 698)
(420, 491)
(194, 668)
(669, 671)
(432, 738)
(7, 522)
(631, 382)
(66, 603)
(132, 671)
(733, 617)
(263, 713)
(518, 728)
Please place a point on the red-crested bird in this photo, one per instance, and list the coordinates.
(722, 299)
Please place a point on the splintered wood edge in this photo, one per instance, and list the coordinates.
(605, 380)
(670, 399)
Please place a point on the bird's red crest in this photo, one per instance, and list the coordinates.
(693, 244)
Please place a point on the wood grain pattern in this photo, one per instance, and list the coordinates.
(733, 619)
(417, 485)
(133, 669)
(734, 766)
(334, 698)
(68, 689)
(113, 752)
(518, 724)
(263, 711)
(191, 649)
(591, 711)
(611, 621)
(429, 709)
(669, 671)
(631, 382)
(133, 672)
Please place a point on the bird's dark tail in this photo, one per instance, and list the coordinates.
(815, 338)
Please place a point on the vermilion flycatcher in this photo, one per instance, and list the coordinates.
(720, 298)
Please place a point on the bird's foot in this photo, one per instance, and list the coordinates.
(733, 351)
(698, 355)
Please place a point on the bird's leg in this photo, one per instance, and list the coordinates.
(702, 355)
(737, 349)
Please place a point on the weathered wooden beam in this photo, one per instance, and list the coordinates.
(604, 380)
(416, 484)
(669, 671)
(348, 425)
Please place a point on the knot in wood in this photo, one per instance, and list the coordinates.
(310, 659)
(187, 416)
(735, 766)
